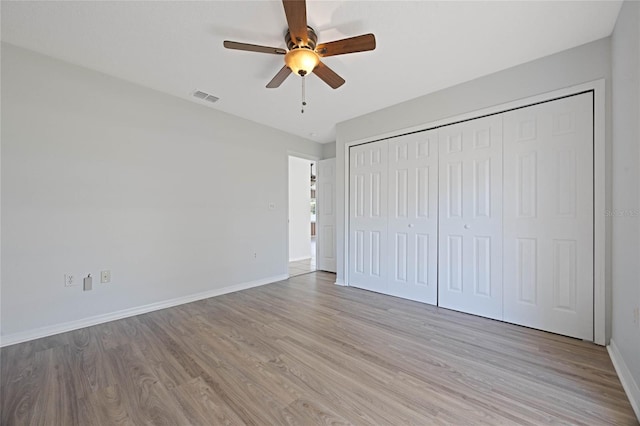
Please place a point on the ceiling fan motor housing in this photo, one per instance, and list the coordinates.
(312, 39)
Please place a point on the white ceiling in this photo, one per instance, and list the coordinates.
(422, 46)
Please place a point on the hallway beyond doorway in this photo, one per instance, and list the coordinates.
(304, 266)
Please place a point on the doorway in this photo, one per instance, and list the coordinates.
(302, 216)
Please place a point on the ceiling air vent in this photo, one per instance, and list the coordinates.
(205, 96)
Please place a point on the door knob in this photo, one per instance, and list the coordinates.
(411, 225)
(467, 227)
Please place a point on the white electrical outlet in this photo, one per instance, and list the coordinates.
(105, 276)
(636, 316)
(69, 280)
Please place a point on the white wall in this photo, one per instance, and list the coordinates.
(625, 54)
(97, 173)
(299, 208)
(571, 67)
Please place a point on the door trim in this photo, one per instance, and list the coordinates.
(601, 291)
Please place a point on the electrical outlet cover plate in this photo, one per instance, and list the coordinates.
(69, 280)
(105, 276)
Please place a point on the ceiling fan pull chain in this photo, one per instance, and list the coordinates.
(304, 102)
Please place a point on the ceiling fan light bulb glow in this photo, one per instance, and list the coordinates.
(301, 61)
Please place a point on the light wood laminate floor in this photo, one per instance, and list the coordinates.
(305, 351)
(300, 267)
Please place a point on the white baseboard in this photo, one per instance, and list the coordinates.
(628, 383)
(340, 283)
(24, 336)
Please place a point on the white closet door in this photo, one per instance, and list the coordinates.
(548, 216)
(470, 214)
(413, 217)
(326, 215)
(368, 216)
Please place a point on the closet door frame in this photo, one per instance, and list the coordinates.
(601, 264)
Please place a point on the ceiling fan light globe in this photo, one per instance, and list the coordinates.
(301, 61)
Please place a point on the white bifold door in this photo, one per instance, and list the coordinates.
(470, 203)
(368, 216)
(393, 216)
(491, 216)
(548, 216)
(413, 217)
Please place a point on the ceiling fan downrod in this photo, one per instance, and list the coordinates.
(304, 101)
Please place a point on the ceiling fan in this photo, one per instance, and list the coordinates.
(303, 54)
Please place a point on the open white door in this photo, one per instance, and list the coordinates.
(326, 215)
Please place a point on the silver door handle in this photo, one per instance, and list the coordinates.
(467, 227)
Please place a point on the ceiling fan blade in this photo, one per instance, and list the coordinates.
(296, 12)
(347, 45)
(329, 76)
(279, 78)
(254, 48)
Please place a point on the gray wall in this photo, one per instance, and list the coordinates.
(568, 68)
(97, 173)
(625, 46)
(329, 150)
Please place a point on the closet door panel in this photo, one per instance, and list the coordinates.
(548, 216)
(368, 213)
(413, 216)
(470, 212)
